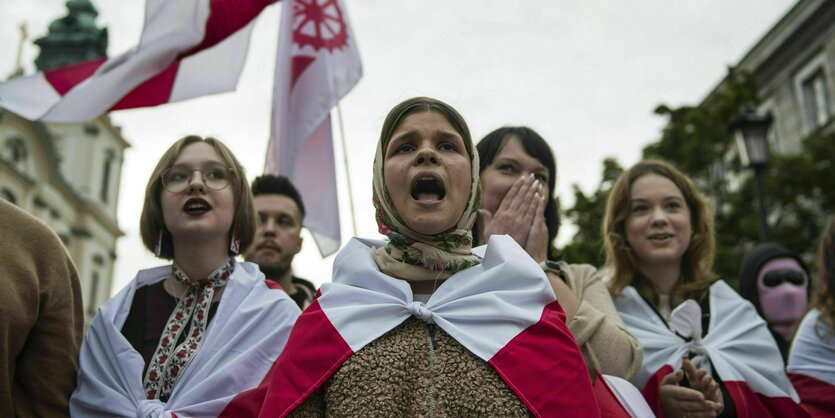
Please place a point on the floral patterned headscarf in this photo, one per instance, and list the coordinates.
(410, 254)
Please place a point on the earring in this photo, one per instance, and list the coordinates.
(234, 246)
(158, 248)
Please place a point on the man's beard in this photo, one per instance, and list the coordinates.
(274, 270)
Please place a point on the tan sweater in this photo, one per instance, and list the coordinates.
(606, 344)
(414, 370)
(41, 318)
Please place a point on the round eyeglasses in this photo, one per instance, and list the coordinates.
(177, 179)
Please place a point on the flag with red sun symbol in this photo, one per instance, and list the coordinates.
(318, 63)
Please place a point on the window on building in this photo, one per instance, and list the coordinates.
(92, 303)
(8, 195)
(816, 100)
(14, 150)
(110, 156)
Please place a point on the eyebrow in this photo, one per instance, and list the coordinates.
(204, 164)
(664, 199)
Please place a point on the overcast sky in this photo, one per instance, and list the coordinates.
(584, 74)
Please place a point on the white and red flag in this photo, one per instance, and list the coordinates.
(812, 365)
(318, 63)
(188, 48)
(737, 348)
(515, 326)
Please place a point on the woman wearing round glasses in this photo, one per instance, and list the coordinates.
(183, 338)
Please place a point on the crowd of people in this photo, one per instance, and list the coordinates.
(464, 309)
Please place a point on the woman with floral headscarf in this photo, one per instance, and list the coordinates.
(421, 324)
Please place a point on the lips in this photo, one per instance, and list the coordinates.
(660, 237)
(427, 187)
(196, 206)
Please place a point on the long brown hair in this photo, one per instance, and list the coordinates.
(697, 261)
(151, 222)
(824, 299)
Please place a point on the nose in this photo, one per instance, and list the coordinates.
(196, 183)
(426, 155)
(659, 217)
(269, 227)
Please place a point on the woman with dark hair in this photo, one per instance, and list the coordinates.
(706, 351)
(518, 176)
(182, 339)
(812, 357)
(419, 325)
(776, 282)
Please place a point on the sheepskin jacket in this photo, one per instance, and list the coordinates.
(415, 370)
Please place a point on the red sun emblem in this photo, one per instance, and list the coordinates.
(319, 24)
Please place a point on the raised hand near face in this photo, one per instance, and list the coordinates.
(516, 213)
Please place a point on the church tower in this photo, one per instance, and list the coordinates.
(68, 174)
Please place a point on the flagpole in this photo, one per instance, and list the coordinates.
(347, 171)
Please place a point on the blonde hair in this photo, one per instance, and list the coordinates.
(151, 222)
(697, 261)
(824, 298)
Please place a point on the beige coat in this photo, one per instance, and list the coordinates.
(600, 332)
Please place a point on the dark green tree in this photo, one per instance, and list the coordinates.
(798, 187)
(587, 215)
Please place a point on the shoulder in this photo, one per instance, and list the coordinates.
(23, 231)
(582, 274)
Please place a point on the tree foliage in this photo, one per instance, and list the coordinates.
(798, 187)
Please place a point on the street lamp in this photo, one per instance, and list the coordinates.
(751, 131)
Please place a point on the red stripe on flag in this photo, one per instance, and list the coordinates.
(750, 404)
(651, 389)
(299, 64)
(544, 367)
(153, 92)
(816, 396)
(607, 401)
(225, 18)
(273, 285)
(313, 353)
(65, 78)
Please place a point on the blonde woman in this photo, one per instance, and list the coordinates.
(706, 351)
(182, 339)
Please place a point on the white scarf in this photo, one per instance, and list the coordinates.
(738, 341)
(243, 340)
(502, 310)
(812, 355)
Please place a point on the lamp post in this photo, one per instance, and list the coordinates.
(751, 131)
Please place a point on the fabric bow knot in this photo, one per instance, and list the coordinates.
(420, 310)
(686, 320)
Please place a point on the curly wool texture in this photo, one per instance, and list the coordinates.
(402, 375)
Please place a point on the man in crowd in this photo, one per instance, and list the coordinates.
(278, 238)
(41, 318)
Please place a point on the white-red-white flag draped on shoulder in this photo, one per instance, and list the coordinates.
(737, 348)
(177, 59)
(318, 63)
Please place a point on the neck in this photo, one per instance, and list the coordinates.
(199, 259)
(285, 280)
(662, 277)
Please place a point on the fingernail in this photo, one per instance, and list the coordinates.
(537, 194)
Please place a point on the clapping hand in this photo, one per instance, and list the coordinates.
(681, 402)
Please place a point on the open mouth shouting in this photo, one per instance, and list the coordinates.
(427, 188)
(196, 206)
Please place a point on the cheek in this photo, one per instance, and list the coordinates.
(494, 189)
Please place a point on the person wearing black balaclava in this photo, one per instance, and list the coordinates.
(776, 281)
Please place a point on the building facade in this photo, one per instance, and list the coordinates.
(68, 175)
